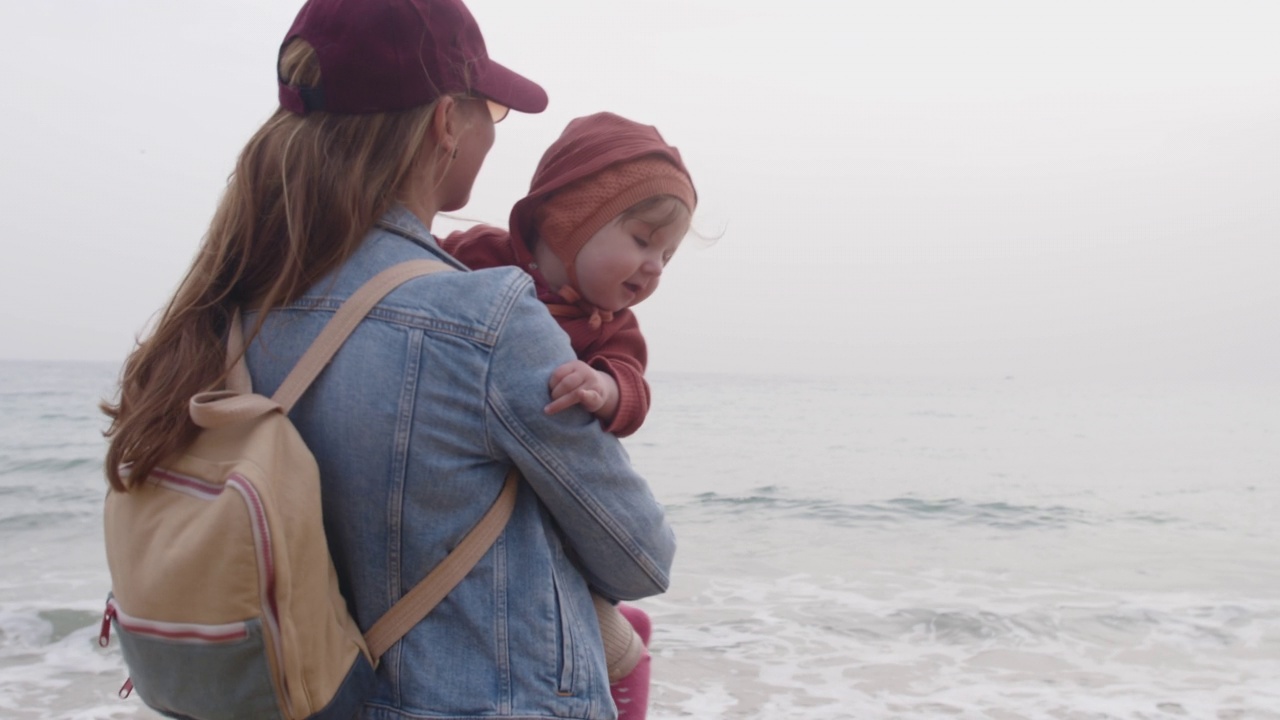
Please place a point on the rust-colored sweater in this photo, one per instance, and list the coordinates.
(615, 347)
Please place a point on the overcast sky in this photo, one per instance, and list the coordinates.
(992, 188)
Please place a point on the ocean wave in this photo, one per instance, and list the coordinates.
(24, 521)
(10, 466)
(40, 393)
(77, 417)
(34, 628)
(967, 643)
(896, 511)
(52, 665)
(42, 492)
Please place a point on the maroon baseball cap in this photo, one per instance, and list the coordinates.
(389, 55)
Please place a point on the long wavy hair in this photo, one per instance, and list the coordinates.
(304, 192)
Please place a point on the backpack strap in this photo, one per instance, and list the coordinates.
(239, 404)
(343, 322)
(414, 606)
(238, 380)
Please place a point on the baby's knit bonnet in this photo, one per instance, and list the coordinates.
(570, 217)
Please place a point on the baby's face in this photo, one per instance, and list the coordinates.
(621, 264)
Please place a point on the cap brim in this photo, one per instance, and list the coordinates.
(505, 86)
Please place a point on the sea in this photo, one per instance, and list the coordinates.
(997, 548)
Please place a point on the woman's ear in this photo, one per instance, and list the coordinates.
(444, 124)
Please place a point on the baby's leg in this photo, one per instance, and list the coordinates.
(631, 693)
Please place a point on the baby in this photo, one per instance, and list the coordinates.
(609, 205)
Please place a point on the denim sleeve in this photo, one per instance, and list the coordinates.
(581, 474)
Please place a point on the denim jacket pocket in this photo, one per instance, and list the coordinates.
(565, 645)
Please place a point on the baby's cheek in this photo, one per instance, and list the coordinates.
(653, 286)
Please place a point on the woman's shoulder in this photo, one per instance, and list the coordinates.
(484, 300)
(455, 300)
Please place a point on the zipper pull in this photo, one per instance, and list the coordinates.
(104, 635)
(126, 689)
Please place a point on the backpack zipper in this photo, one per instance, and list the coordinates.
(171, 631)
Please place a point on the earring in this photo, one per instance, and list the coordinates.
(455, 153)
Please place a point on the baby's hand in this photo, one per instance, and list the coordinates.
(577, 383)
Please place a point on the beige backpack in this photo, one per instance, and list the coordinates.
(223, 593)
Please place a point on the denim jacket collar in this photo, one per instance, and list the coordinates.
(400, 221)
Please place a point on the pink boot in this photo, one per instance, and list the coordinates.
(631, 693)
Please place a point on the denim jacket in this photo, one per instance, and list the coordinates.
(414, 425)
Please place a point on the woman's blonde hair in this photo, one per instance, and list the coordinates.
(304, 192)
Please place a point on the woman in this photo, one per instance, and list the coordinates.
(387, 114)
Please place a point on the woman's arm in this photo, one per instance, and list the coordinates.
(581, 473)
